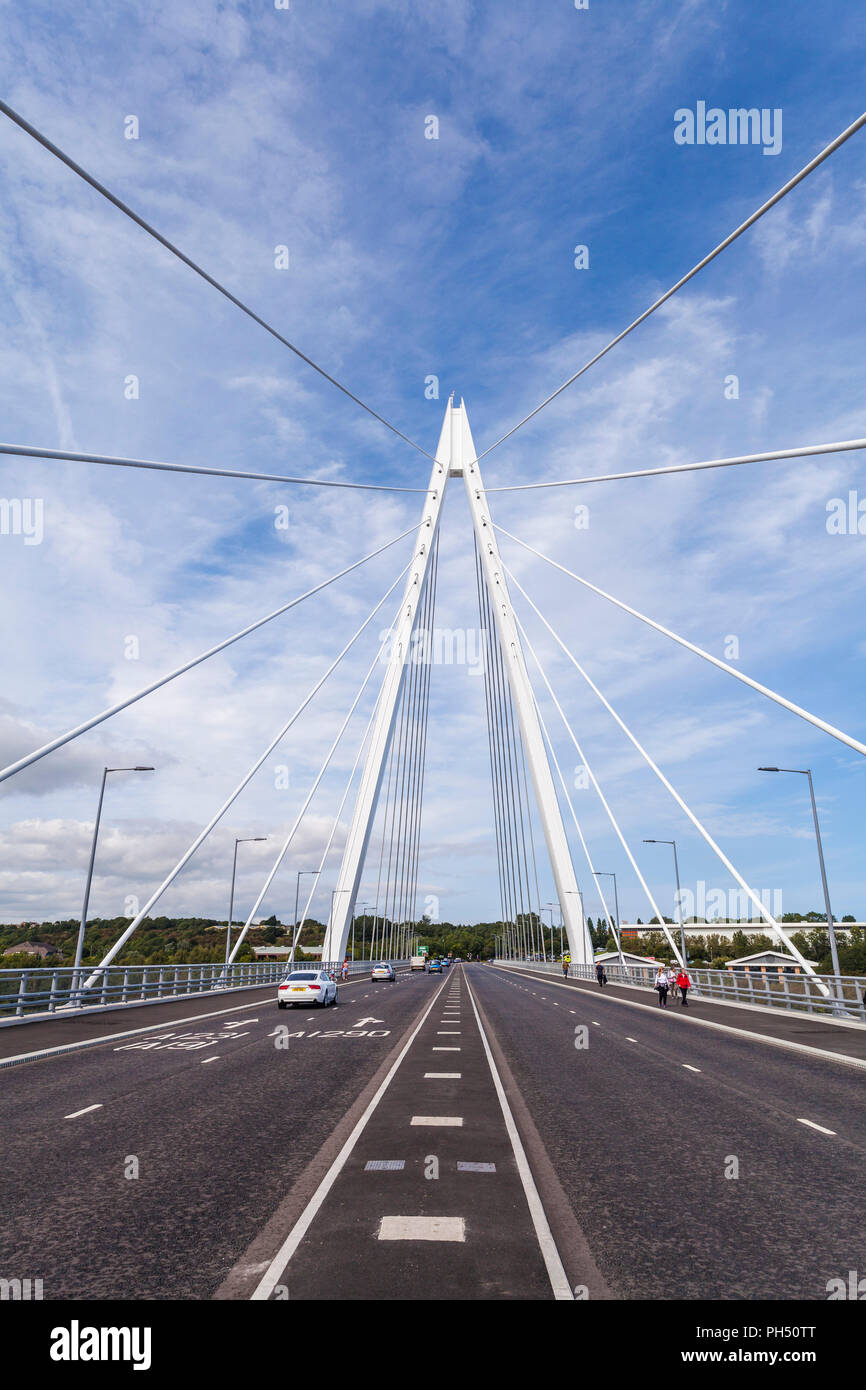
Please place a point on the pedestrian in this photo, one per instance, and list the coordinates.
(565, 964)
(672, 982)
(684, 984)
(600, 975)
(662, 986)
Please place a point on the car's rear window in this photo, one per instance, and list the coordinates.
(302, 975)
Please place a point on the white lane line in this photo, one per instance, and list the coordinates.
(805, 1049)
(555, 1272)
(422, 1228)
(476, 1167)
(812, 1125)
(445, 1049)
(688, 1068)
(269, 1280)
(451, 1120)
(448, 1032)
(384, 1165)
(634, 1040)
(114, 1037)
(86, 1111)
(210, 1059)
(442, 1075)
(594, 1023)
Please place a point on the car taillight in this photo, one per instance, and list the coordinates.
(314, 986)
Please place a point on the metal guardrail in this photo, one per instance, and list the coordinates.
(765, 986)
(53, 989)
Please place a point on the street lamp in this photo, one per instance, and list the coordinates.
(79, 946)
(365, 906)
(617, 936)
(300, 874)
(552, 906)
(807, 772)
(679, 896)
(247, 840)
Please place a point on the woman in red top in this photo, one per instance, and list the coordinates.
(684, 984)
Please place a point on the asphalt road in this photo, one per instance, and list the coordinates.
(642, 1124)
(236, 1151)
(220, 1120)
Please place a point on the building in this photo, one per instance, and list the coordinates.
(31, 948)
(763, 962)
(283, 952)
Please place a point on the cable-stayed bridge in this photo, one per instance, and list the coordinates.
(437, 1122)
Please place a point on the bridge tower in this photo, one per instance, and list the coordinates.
(456, 457)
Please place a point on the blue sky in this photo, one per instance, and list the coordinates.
(411, 257)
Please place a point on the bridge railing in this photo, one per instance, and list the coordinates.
(765, 986)
(52, 989)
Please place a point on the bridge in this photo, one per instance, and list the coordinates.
(514, 1129)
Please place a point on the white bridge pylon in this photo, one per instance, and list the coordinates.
(456, 457)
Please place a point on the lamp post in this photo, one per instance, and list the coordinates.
(606, 873)
(552, 906)
(679, 896)
(79, 945)
(298, 877)
(831, 930)
(365, 906)
(247, 840)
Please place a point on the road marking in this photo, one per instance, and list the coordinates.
(634, 1040)
(749, 1034)
(422, 1228)
(442, 1075)
(452, 1120)
(448, 1032)
(445, 1049)
(688, 1068)
(384, 1165)
(269, 1280)
(210, 1059)
(86, 1111)
(594, 1023)
(38, 1055)
(559, 1281)
(476, 1167)
(812, 1125)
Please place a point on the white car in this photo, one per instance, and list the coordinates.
(307, 987)
(383, 971)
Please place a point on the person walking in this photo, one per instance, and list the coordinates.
(684, 984)
(566, 962)
(600, 975)
(672, 981)
(661, 985)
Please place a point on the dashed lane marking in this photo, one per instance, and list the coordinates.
(476, 1167)
(820, 1128)
(422, 1228)
(278, 1264)
(442, 1075)
(688, 1068)
(86, 1111)
(385, 1165)
(209, 1059)
(450, 1120)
